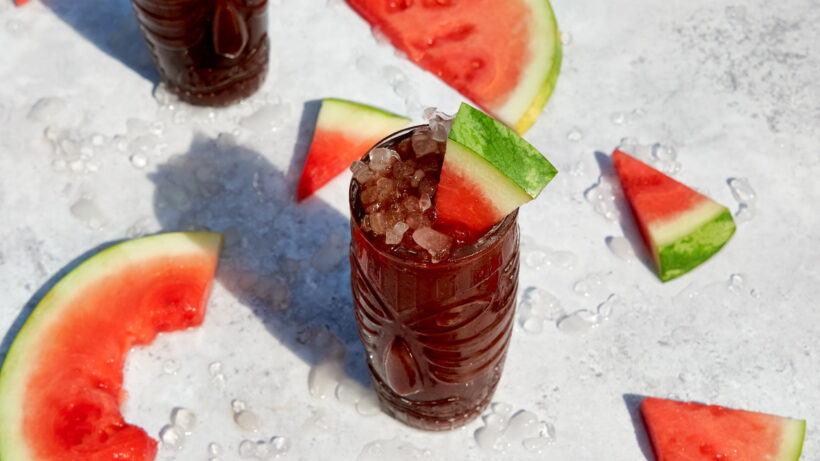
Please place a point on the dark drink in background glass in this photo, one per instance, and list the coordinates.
(208, 52)
(434, 302)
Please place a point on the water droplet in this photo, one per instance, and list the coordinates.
(618, 118)
(184, 419)
(171, 437)
(238, 405)
(215, 368)
(214, 449)
(324, 377)
(566, 38)
(170, 366)
(218, 381)
(368, 405)
(575, 135)
(139, 161)
(620, 247)
(247, 449)
(247, 420)
(280, 445)
(87, 211)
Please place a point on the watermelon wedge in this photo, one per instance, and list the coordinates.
(685, 431)
(504, 55)
(681, 227)
(21, 2)
(61, 383)
(488, 171)
(345, 131)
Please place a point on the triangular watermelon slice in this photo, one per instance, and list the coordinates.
(686, 431)
(345, 131)
(21, 2)
(504, 55)
(681, 227)
(61, 383)
(488, 171)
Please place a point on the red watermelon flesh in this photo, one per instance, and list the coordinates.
(504, 55)
(67, 362)
(344, 132)
(21, 2)
(686, 431)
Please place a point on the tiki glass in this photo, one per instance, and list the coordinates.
(208, 52)
(435, 333)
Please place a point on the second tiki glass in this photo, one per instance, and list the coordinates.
(208, 52)
(436, 334)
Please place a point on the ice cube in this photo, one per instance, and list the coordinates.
(410, 204)
(417, 177)
(396, 233)
(387, 189)
(436, 243)
(425, 202)
(382, 159)
(369, 195)
(378, 222)
(423, 142)
(361, 172)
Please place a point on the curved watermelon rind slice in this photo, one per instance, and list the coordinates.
(542, 73)
(345, 130)
(21, 357)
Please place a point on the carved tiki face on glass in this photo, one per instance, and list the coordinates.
(208, 52)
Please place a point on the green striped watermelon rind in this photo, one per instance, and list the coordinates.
(488, 172)
(794, 436)
(15, 368)
(680, 256)
(502, 148)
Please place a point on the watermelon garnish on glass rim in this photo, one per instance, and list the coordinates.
(682, 227)
(687, 431)
(61, 382)
(488, 172)
(504, 55)
(345, 131)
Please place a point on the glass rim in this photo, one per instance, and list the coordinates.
(487, 241)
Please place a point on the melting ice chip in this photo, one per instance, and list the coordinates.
(184, 419)
(393, 450)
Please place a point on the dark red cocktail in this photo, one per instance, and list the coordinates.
(208, 52)
(434, 302)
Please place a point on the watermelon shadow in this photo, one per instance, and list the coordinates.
(287, 262)
(307, 126)
(633, 405)
(626, 219)
(35, 299)
(112, 27)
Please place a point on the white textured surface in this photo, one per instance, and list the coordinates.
(88, 155)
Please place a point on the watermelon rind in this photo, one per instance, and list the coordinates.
(691, 239)
(794, 433)
(16, 368)
(540, 75)
(502, 148)
(358, 120)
